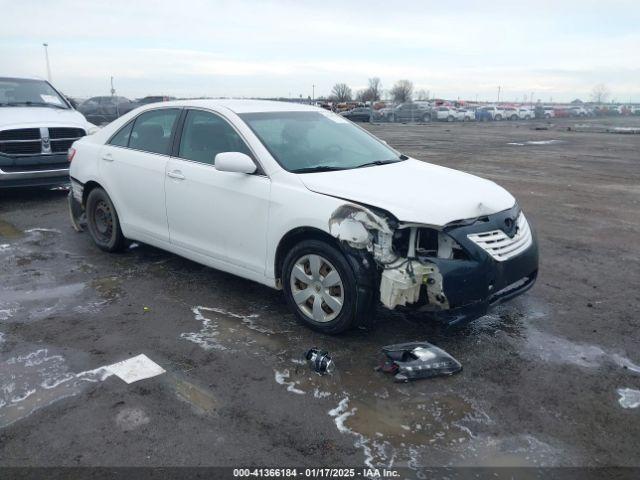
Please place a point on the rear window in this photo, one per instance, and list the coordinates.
(152, 131)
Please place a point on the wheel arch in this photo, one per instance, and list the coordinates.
(295, 236)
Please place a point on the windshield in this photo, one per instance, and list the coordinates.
(314, 141)
(21, 91)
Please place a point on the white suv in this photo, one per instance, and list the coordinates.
(300, 199)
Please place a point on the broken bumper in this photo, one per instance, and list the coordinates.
(475, 284)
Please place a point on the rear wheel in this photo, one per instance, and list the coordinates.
(450, 118)
(321, 287)
(498, 117)
(514, 117)
(103, 223)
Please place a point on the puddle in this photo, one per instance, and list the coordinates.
(512, 451)
(199, 398)
(225, 330)
(37, 379)
(629, 398)
(39, 303)
(7, 230)
(553, 349)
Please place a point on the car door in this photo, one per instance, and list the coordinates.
(221, 215)
(133, 168)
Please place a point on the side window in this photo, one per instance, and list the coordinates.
(121, 139)
(205, 135)
(152, 131)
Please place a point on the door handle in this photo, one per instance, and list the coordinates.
(177, 174)
(107, 157)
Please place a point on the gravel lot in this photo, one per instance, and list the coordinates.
(541, 374)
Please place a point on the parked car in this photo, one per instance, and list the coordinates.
(561, 112)
(447, 114)
(411, 112)
(154, 99)
(635, 110)
(578, 111)
(489, 113)
(37, 127)
(466, 114)
(359, 114)
(258, 189)
(510, 113)
(102, 110)
(548, 112)
(525, 113)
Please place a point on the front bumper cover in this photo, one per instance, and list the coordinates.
(479, 282)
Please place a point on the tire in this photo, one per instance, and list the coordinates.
(313, 301)
(527, 117)
(103, 223)
(426, 118)
(450, 118)
(498, 117)
(514, 117)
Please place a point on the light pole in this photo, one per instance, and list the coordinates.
(46, 56)
(499, 93)
(313, 94)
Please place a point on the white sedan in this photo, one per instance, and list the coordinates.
(300, 199)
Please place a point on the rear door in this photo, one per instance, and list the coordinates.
(221, 215)
(132, 167)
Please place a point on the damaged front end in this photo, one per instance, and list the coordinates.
(455, 272)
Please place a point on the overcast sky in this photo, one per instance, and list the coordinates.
(455, 49)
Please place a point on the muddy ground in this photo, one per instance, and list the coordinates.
(549, 379)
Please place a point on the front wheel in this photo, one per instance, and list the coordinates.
(103, 223)
(321, 287)
(498, 117)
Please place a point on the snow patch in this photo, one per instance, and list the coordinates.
(629, 398)
(281, 379)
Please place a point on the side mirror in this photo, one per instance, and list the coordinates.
(234, 162)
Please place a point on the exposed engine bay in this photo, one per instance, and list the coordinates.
(401, 251)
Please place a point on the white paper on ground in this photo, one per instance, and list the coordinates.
(136, 368)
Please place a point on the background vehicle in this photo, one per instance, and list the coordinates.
(525, 113)
(447, 114)
(578, 112)
(489, 113)
(548, 112)
(37, 127)
(466, 114)
(102, 110)
(561, 112)
(257, 189)
(510, 113)
(411, 112)
(359, 114)
(153, 99)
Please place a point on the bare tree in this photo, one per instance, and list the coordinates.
(402, 91)
(600, 93)
(422, 95)
(341, 92)
(374, 92)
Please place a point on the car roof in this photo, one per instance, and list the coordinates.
(242, 106)
(22, 77)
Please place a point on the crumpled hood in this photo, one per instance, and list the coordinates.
(414, 191)
(31, 117)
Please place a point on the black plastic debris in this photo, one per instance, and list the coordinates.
(416, 360)
(319, 361)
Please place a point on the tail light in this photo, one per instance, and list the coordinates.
(71, 153)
